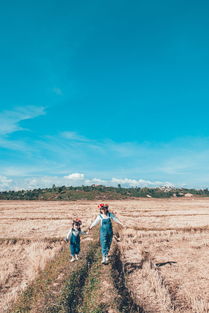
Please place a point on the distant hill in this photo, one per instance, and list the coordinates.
(95, 192)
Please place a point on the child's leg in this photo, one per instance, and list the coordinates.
(109, 241)
(72, 249)
(103, 242)
(72, 252)
(77, 250)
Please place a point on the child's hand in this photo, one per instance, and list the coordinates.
(117, 237)
(66, 240)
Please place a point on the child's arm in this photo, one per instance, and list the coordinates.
(115, 219)
(68, 235)
(95, 222)
(83, 232)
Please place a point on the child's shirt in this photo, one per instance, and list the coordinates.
(100, 217)
(74, 232)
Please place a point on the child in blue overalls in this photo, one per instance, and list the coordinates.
(106, 232)
(73, 237)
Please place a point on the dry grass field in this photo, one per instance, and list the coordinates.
(164, 248)
(165, 252)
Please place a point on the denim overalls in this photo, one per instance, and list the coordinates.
(74, 243)
(106, 234)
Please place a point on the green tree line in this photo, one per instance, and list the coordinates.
(95, 192)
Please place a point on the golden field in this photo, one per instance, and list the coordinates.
(164, 247)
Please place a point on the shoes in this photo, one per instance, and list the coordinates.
(73, 259)
(103, 260)
(76, 257)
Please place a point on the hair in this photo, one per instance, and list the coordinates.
(76, 223)
(104, 207)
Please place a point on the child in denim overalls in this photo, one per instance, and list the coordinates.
(106, 232)
(73, 237)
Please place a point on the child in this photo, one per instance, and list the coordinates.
(106, 233)
(73, 237)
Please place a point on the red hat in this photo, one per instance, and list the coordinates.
(77, 221)
(102, 205)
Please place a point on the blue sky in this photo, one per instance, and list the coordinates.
(104, 91)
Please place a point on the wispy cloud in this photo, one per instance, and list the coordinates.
(5, 183)
(181, 162)
(10, 120)
(73, 179)
(15, 145)
(171, 162)
(74, 136)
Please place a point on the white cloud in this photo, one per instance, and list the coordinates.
(140, 182)
(75, 176)
(10, 120)
(5, 182)
(96, 181)
(74, 179)
(180, 161)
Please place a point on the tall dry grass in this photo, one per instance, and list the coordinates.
(20, 264)
(174, 287)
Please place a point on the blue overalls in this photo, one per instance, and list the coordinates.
(106, 234)
(74, 244)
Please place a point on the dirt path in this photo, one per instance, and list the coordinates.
(59, 287)
(126, 302)
(86, 286)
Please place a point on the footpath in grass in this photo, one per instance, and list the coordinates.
(59, 287)
(99, 293)
(85, 286)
